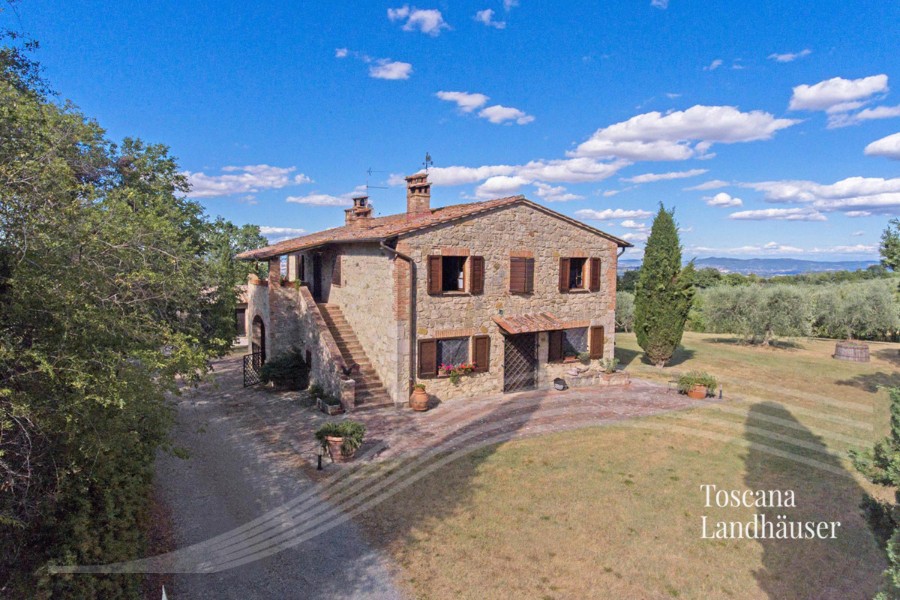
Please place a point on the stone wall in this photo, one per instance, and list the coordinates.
(366, 298)
(495, 235)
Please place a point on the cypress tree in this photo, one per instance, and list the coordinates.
(663, 292)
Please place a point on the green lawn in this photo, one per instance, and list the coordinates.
(616, 511)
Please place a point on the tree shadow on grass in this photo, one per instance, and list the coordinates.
(628, 357)
(846, 567)
(740, 342)
(872, 382)
(891, 355)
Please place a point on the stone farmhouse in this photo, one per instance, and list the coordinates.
(507, 286)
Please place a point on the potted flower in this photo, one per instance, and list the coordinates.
(341, 438)
(419, 398)
(445, 370)
(696, 384)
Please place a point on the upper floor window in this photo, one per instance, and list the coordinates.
(449, 274)
(577, 267)
(454, 273)
(579, 274)
(521, 275)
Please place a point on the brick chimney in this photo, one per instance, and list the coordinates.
(418, 194)
(360, 214)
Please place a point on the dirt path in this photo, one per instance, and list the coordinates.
(236, 472)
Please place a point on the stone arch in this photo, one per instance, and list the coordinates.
(258, 337)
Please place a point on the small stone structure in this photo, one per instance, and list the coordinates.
(852, 351)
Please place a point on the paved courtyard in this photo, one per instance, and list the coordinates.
(287, 418)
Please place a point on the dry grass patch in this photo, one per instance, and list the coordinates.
(615, 512)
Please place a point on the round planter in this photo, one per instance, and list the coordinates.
(698, 392)
(334, 449)
(852, 351)
(418, 400)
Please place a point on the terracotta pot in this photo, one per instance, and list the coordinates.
(698, 392)
(334, 449)
(418, 400)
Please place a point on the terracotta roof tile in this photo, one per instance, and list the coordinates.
(529, 323)
(381, 228)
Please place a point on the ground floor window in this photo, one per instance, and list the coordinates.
(567, 343)
(452, 351)
(240, 321)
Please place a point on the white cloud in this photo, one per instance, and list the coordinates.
(500, 185)
(838, 94)
(708, 185)
(486, 17)
(557, 193)
(508, 5)
(638, 236)
(610, 193)
(660, 4)
(341, 52)
(321, 200)
(713, 65)
(778, 214)
(611, 214)
(868, 114)
(790, 56)
(856, 196)
(679, 135)
(464, 100)
(429, 21)
(500, 114)
(630, 224)
(385, 68)
(777, 248)
(723, 199)
(887, 146)
(270, 232)
(242, 180)
(858, 234)
(651, 177)
(672, 95)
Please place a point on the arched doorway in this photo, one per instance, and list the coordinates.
(258, 338)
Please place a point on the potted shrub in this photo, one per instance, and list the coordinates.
(330, 405)
(609, 365)
(419, 398)
(584, 358)
(696, 384)
(341, 438)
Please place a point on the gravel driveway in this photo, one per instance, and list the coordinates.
(235, 473)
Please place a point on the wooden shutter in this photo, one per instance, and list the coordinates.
(517, 275)
(427, 358)
(529, 275)
(476, 285)
(555, 352)
(482, 358)
(301, 268)
(564, 264)
(596, 342)
(435, 275)
(594, 275)
(336, 271)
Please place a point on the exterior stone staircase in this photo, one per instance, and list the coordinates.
(370, 392)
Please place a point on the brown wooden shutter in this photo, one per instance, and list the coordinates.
(482, 353)
(555, 351)
(427, 358)
(435, 275)
(476, 286)
(594, 275)
(564, 264)
(301, 268)
(529, 275)
(596, 342)
(517, 268)
(336, 271)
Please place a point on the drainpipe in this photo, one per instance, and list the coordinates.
(621, 252)
(412, 310)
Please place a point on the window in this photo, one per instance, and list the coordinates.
(521, 275)
(567, 343)
(240, 319)
(454, 273)
(576, 273)
(301, 268)
(452, 351)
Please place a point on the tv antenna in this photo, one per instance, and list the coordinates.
(428, 162)
(369, 172)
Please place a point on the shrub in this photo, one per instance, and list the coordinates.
(856, 310)
(609, 365)
(287, 370)
(624, 311)
(695, 378)
(758, 314)
(352, 432)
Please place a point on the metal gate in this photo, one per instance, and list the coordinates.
(253, 362)
(520, 362)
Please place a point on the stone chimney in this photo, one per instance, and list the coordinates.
(418, 194)
(360, 214)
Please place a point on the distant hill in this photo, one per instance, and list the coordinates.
(766, 267)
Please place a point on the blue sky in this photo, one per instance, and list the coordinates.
(783, 116)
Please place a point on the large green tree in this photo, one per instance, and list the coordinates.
(890, 246)
(114, 288)
(663, 292)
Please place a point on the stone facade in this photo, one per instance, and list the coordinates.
(374, 296)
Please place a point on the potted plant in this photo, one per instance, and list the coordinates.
(445, 370)
(330, 405)
(609, 365)
(419, 398)
(584, 358)
(696, 384)
(341, 438)
(570, 357)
